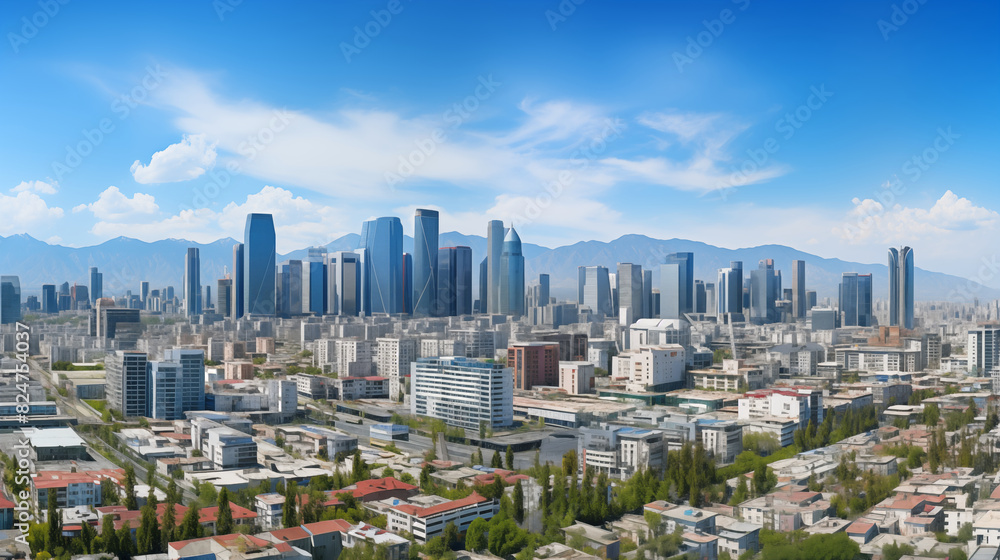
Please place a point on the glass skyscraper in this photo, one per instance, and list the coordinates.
(595, 289)
(10, 299)
(50, 303)
(454, 279)
(238, 286)
(343, 293)
(259, 289)
(425, 262)
(681, 293)
(901, 287)
(317, 302)
(96, 285)
(192, 282)
(494, 250)
(856, 300)
(799, 306)
(629, 280)
(765, 285)
(512, 275)
(382, 240)
(730, 288)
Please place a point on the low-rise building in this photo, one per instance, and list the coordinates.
(427, 522)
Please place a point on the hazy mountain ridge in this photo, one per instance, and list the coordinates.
(126, 261)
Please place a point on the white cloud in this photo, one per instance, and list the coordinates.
(871, 221)
(186, 160)
(26, 211)
(112, 205)
(43, 187)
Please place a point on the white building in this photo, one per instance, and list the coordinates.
(722, 439)
(463, 392)
(177, 383)
(226, 447)
(576, 378)
(797, 404)
(394, 356)
(619, 450)
(357, 388)
(653, 369)
(354, 357)
(427, 522)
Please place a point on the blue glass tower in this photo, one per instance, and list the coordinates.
(425, 262)
(901, 287)
(96, 285)
(317, 287)
(454, 281)
(192, 282)
(259, 266)
(238, 281)
(50, 303)
(677, 289)
(10, 299)
(512, 275)
(382, 241)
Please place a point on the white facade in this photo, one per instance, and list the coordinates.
(779, 403)
(394, 356)
(576, 378)
(425, 523)
(354, 352)
(659, 368)
(463, 392)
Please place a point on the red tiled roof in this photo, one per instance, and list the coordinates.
(418, 511)
(5, 503)
(62, 479)
(290, 534)
(329, 526)
(860, 527)
(239, 512)
(365, 487)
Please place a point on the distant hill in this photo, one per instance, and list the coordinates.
(125, 262)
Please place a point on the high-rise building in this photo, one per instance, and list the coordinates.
(314, 283)
(984, 353)
(901, 287)
(407, 283)
(629, 280)
(677, 285)
(647, 295)
(595, 289)
(711, 301)
(512, 275)
(10, 299)
(729, 290)
(192, 282)
(534, 364)
(291, 288)
(50, 303)
(454, 280)
(176, 384)
(382, 240)
(494, 249)
(224, 297)
(259, 254)
(79, 296)
(700, 297)
(484, 286)
(143, 293)
(344, 283)
(127, 383)
(811, 300)
(206, 300)
(239, 285)
(799, 304)
(425, 262)
(96, 285)
(463, 392)
(856, 300)
(765, 287)
(544, 294)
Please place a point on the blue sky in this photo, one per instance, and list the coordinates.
(734, 123)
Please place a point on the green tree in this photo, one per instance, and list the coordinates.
(168, 526)
(54, 520)
(893, 551)
(109, 539)
(148, 535)
(475, 535)
(496, 462)
(742, 493)
(224, 519)
(518, 502)
(191, 524)
(477, 457)
(126, 546)
(931, 414)
(289, 517)
(130, 502)
(451, 536)
(509, 458)
(87, 536)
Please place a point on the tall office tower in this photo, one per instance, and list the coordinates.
(901, 287)
(224, 297)
(494, 250)
(512, 275)
(407, 283)
(765, 285)
(10, 299)
(799, 301)
(685, 288)
(143, 293)
(984, 352)
(206, 300)
(291, 288)
(544, 293)
(425, 262)
(259, 254)
(343, 292)
(629, 279)
(168, 293)
(647, 294)
(595, 289)
(127, 383)
(314, 282)
(613, 282)
(810, 299)
(711, 301)
(454, 279)
(700, 297)
(78, 296)
(484, 286)
(239, 286)
(177, 383)
(382, 239)
(729, 290)
(64, 289)
(192, 282)
(50, 303)
(96, 285)
(856, 300)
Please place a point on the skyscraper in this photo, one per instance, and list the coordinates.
(143, 293)
(512, 275)
(407, 283)
(454, 279)
(730, 288)
(700, 297)
(176, 384)
(344, 284)
(711, 301)
(543, 289)
(799, 305)
(595, 289)
(10, 299)
(685, 278)
(647, 294)
(50, 303)
(259, 290)
(239, 286)
(856, 300)
(901, 287)
(765, 285)
(127, 383)
(291, 288)
(494, 249)
(425, 262)
(224, 297)
(96, 285)
(314, 294)
(382, 239)
(629, 280)
(192, 282)
(484, 286)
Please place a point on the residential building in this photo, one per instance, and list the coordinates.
(651, 368)
(620, 451)
(534, 363)
(427, 522)
(127, 383)
(357, 388)
(462, 392)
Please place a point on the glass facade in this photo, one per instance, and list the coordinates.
(10, 299)
(512, 276)
(901, 287)
(425, 262)
(259, 289)
(238, 287)
(382, 240)
(192, 282)
(454, 281)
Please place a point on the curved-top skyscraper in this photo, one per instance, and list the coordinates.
(901, 287)
(382, 241)
(259, 265)
(512, 275)
(425, 262)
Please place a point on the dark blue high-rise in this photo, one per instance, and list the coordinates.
(259, 266)
(425, 262)
(454, 276)
(238, 286)
(382, 240)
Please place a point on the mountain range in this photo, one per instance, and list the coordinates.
(125, 262)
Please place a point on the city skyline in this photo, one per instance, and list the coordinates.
(833, 185)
